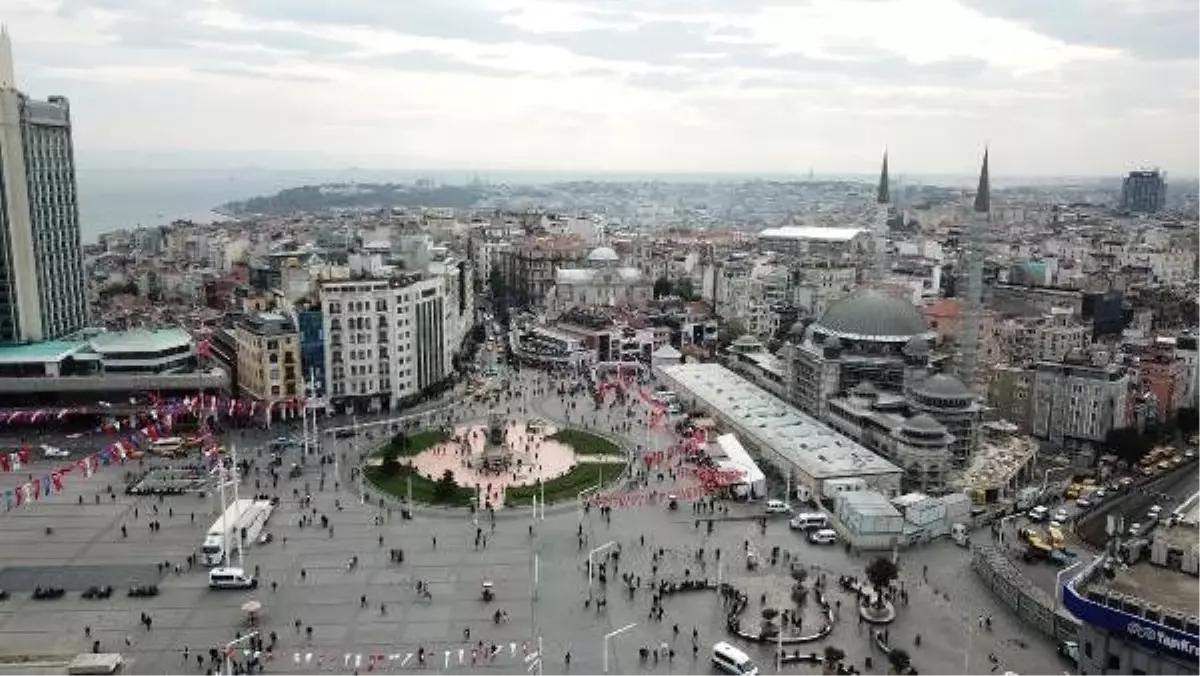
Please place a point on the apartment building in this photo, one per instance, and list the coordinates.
(1076, 403)
(389, 339)
(268, 357)
(530, 267)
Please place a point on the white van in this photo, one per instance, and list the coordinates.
(778, 507)
(1039, 513)
(809, 521)
(730, 660)
(231, 578)
(825, 536)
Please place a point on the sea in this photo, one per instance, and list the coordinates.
(116, 199)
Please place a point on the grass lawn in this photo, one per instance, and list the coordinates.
(567, 486)
(585, 443)
(423, 490)
(418, 443)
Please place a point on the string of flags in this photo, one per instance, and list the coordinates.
(128, 448)
(383, 661)
(658, 410)
(213, 405)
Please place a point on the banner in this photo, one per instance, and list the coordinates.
(205, 404)
(455, 660)
(118, 452)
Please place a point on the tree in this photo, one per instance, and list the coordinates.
(445, 488)
(685, 289)
(768, 622)
(881, 572)
(391, 460)
(900, 660)
(799, 591)
(729, 332)
(662, 287)
(833, 659)
(1128, 445)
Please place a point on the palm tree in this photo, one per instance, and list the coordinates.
(833, 659)
(899, 660)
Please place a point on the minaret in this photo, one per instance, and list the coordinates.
(8, 80)
(971, 263)
(879, 229)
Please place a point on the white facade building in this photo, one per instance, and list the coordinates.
(42, 291)
(603, 282)
(388, 339)
(1076, 405)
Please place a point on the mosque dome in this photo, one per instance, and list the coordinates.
(944, 386)
(603, 255)
(873, 316)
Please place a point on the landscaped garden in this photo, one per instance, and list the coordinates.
(414, 444)
(585, 443)
(393, 478)
(565, 487)
(403, 460)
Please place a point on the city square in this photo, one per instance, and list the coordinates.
(370, 616)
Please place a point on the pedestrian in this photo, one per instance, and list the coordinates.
(87, 632)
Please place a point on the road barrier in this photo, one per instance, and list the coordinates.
(1031, 604)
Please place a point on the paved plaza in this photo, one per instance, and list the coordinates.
(308, 566)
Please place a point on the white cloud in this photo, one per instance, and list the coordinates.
(616, 84)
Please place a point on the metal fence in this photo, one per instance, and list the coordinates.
(1031, 604)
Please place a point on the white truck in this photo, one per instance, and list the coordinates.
(1028, 497)
(244, 520)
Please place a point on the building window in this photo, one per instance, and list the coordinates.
(1087, 649)
(1114, 662)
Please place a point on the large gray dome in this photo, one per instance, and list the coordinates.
(873, 315)
(943, 385)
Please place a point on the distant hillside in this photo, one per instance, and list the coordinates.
(312, 198)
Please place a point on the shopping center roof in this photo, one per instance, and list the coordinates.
(51, 351)
(140, 340)
(765, 421)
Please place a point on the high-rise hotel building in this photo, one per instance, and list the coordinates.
(42, 292)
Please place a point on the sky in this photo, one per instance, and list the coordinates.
(1052, 87)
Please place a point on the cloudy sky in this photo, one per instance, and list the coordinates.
(1055, 87)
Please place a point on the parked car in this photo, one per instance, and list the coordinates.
(54, 452)
(95, 592)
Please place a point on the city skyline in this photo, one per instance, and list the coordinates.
(1072, 89)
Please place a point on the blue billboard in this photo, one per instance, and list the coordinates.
(1154, 635)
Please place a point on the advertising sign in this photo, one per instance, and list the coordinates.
(1156, 636)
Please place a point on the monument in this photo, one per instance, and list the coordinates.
(497, 456)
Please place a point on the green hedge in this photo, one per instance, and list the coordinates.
(417, 443)
(424, 490)
(585, 443)
(566, 487)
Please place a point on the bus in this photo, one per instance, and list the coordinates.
(167, 446)
(243, 519)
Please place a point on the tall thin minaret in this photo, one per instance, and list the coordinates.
(8, 79)
(879, 229)
(972, 271)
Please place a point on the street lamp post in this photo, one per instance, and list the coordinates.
(579, 498)
(613, 634)
(1002, 525)
(591, 556)
(229, 650)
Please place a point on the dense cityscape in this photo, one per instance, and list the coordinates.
(844, 427)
